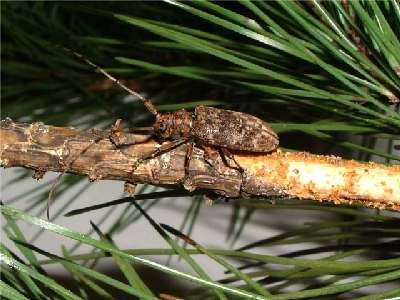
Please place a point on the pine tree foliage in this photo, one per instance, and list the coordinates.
(322, 71)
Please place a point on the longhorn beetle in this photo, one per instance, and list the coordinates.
(207, 126)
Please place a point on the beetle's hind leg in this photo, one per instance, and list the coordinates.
(218, 158)
(225, 153)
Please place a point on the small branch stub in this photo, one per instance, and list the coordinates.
(302, 175)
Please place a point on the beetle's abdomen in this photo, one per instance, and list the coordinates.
(233, 130)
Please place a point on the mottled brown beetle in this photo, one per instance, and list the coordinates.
(207, 126)
(218, 127)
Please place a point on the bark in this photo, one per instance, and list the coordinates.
(279, 174)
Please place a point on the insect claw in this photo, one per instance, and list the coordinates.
(38, 174)
(187, 183)
(129, 188)
(96, 173)
(209, 200)
(94, 176)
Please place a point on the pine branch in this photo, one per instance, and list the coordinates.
(283, 174)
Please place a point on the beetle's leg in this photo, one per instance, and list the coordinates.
(122, 140)
(129, 188)
(215, 198)
(210, 155)
(166, 147)
(188, 158)
(118, 137)
(225, 153)
(159, 150)
(215, 159)
(209, 200)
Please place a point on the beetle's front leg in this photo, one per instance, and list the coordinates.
(120, 139)
(123, 140)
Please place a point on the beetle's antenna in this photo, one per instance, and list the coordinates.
(149, 105)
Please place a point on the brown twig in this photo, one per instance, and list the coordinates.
(303, 175)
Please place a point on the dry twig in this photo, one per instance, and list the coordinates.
(303, 175)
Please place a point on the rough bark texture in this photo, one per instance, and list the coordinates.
(303, 175)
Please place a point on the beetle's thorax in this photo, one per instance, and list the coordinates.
(174, 125)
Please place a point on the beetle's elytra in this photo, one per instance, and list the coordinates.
(218, 127)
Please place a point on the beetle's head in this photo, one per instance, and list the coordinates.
(164, 125)
(174, 125)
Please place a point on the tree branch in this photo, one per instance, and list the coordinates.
(303, 175)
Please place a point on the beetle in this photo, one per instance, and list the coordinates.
(218, 127)
(207, 126)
